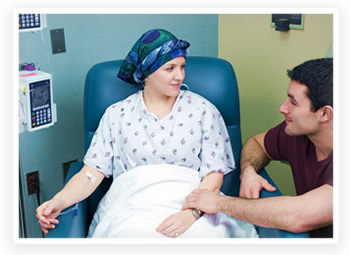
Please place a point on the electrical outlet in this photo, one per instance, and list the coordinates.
(33, 182)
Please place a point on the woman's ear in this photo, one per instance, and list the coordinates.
(326, 113)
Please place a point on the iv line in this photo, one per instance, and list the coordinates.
(90, 177)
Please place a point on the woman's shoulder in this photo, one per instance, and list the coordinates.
(194, 96)
(130, 101)
(199, 100)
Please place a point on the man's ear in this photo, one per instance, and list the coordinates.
(326, 113)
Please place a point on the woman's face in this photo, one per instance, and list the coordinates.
(168, 78)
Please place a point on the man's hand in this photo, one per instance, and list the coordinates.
(204, 200)
(252, 183)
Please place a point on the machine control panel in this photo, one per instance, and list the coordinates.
(37, 110)
(41, 109)
(29, 22)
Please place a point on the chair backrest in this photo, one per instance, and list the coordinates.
(213, 78)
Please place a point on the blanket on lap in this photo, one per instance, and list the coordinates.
(140, 199)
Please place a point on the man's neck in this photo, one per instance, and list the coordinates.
(323, 142)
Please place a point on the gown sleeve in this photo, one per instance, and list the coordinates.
(216, 152)
(100, 153)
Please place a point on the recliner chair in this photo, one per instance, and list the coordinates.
(213, 78)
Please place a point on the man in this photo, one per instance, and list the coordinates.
(305, 140)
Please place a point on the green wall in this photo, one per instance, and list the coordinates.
(261, 56)
(90, 39)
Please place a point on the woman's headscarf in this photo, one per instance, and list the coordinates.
(151, 51)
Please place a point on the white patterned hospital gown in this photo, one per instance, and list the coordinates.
(192, 135)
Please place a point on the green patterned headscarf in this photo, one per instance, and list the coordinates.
(151, 51)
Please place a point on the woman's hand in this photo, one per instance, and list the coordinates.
(47, 214)
(177, 223)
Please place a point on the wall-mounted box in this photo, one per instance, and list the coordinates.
(58, 42)
(296, 21)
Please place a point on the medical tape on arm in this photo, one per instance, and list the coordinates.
(90, 176)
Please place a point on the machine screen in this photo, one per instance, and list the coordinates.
(40, 102)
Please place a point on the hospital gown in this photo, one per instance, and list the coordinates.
(192, 135)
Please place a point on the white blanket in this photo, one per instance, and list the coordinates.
(140, 199)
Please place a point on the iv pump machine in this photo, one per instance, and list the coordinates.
(36, 107)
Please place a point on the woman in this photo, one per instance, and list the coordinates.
(160, 124)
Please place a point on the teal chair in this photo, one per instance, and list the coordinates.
(213, 78)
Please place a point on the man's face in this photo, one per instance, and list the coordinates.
(297, 110)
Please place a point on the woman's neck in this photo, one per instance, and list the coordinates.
(158, 104)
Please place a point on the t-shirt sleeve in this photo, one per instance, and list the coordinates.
(330, 180)
(100, 153)
(216, 153)
(276, 142)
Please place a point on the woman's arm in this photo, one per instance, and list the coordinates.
(179, 222)
(176, 224)
(213, 181)
(78, 188)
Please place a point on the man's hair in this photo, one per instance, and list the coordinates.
(317, 75)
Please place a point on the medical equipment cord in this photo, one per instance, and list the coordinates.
(38, 200)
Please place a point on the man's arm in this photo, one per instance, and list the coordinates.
(295, 214)
(253, 158)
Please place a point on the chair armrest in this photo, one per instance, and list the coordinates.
(271, 232)
(71, 225)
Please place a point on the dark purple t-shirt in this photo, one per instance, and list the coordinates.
(308, 173)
